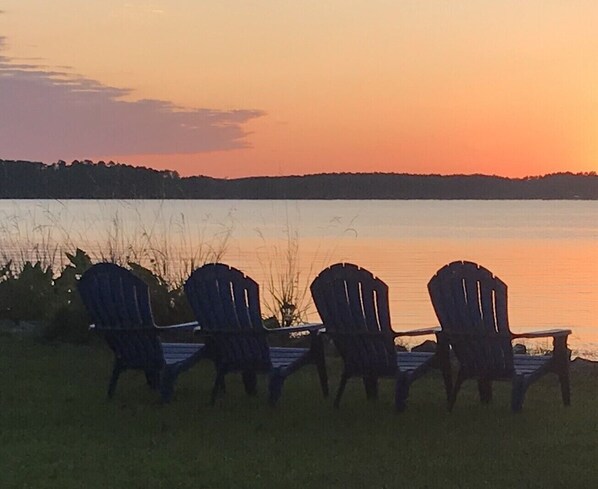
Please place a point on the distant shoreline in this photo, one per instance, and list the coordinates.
(106, 181)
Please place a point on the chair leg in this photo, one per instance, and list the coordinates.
(275, 387)
(402, 391)
(116, 370)
(371, 387)
(518, 393)
(562, 358)
(447, 377)
(323, 374)
(455, 390)
(444, 361)
(153, 378)
(341, 389)
(250, 382)
(320, 359)
(485, 390)
(167, 381)
(565, 387)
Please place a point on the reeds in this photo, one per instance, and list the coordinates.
(169, 246)
(162, 247)
(289, 273)
(287, 292)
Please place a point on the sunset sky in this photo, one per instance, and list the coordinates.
(235, 88)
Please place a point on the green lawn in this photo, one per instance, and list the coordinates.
(57, 429)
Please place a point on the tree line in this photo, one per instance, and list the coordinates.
(89, 180)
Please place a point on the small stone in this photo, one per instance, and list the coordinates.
(427, 346)
(519, 349)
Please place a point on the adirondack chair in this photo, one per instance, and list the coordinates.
(471, 305)
(353, 305)
(226, 304)
(118, 303)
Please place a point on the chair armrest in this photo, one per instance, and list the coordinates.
(94, 327)
(311, 327)
(191, 325)
(227, 332)
(548, 333)
(418, 332)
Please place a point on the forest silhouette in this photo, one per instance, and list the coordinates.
(89, 180)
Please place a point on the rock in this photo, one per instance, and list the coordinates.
(584, 365)
(427, 346)
(584, 361)
(519, 349)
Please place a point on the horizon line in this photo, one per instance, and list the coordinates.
(294, 175)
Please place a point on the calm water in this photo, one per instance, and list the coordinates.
(546, 251)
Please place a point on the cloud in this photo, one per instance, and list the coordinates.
(51, 114)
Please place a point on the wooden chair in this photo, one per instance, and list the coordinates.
(471, 305)
(118, 303)
(226, 304)
(353, 305)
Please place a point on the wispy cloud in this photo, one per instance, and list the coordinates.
(52, 114)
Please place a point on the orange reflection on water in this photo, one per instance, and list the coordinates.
(551, 283)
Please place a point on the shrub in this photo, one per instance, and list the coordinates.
(26, 294)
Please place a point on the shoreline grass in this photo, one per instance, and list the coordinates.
(170, 246)
(57, 429)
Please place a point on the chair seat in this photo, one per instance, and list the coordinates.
(410, 362)
(179, 352)
(527, 364)
(283, 358)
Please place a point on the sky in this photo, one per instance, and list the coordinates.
(241, 88)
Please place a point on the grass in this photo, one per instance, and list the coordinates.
(58, 430)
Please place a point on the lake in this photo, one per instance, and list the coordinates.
(546, 251)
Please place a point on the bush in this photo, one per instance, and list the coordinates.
(67, 318)
(34, 293)
(25, 295)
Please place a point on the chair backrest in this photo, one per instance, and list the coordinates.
(118, 303)
(226, 303)
(471, 305)
(353, 305)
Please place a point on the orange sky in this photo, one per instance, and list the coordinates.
(417, 86)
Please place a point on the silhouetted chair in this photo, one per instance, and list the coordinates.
(118, 303)
(226, 304)
(353, 305)
(471, 305)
